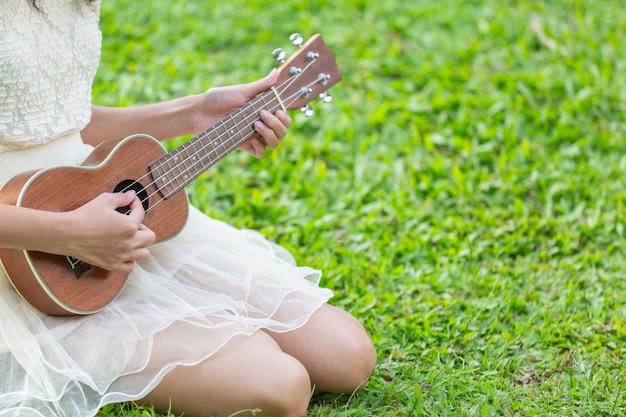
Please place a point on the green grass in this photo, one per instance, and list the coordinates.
(464, 192)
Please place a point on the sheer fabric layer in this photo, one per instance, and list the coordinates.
(194, 294)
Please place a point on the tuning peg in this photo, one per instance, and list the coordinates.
(312, 56)
(296, 39)
(326, 97)
(307, 111)
(279, 55)
(323, 79)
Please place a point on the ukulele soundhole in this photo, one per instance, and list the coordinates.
(141, 192)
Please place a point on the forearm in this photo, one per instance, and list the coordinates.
(23, 228)
(165, 120)
(189, 116)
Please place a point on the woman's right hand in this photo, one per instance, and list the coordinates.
(104, 237)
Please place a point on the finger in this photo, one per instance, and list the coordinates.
(284, 118)
(276, 127)
(258, 148)
(140, 254)
(131, 257)
(268, 136)
(136, 209)
(120, 199)
(127, 267)
(145, 235)
(254, 146)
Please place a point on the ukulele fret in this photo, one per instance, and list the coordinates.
(213, 153)
(191, 160)
(202, 153)
(222, 138)
(231, 125)
(174, 166)
(239, 119)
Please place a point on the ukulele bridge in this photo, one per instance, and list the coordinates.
(79, 268)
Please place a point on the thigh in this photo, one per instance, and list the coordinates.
(248, 373)
(335, 349)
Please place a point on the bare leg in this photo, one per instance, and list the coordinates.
(273, 371)
(249, 372)
(334, 348)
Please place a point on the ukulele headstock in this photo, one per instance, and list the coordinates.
(307, 74)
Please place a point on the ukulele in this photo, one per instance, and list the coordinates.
(63, 285)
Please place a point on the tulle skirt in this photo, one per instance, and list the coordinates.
(194, 294)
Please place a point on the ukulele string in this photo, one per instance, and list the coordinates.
(282, 86)
(227, 150)
(211, 143)
(291, 99)
(214, 153)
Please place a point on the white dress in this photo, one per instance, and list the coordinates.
(179, 307)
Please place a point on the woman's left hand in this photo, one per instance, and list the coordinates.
(217, 103)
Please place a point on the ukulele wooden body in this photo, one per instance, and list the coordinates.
(61, 285)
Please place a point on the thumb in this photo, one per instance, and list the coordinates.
(264, 84)
(136, 208)
(130, 202)
(121, 199)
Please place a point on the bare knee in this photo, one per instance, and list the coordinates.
(355, 356)
(366, 353)
(250, 373)
(286, 392)
(335, 349)
(360, 356)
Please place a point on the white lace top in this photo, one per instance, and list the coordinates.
(38, 102)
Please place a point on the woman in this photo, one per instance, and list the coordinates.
(213, 322)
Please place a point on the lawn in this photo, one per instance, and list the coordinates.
(464, 192)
